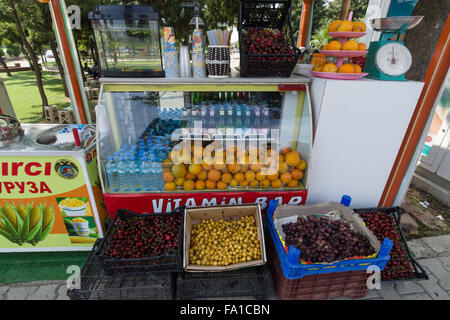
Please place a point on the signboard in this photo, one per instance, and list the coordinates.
(166, 202)
(45, 203)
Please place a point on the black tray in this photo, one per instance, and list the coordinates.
(396, 213)
(170, 261)
(95, 284)
(253, 281)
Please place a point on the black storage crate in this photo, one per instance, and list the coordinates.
(253, 281)
(170, 261)
(95, 284)
(396, 213)
(273, 17)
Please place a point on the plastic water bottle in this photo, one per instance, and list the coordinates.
(264, 125)
(135, 183)
(204, 116)
(248, 118)
(221, 123)
(157, 174)
(185, 120)
(230, 119)
(257, 120)
(122, 171)
(145, 174)
(238, 122)
(212, 117)
(113, 176)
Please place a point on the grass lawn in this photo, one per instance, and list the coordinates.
(24, 94)
(38, 266)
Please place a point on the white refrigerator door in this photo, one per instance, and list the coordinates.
(359, 128)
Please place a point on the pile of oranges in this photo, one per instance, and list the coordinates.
(350, 45)
(344, 68)
(346, 26)
(335, 45)
(238, 173)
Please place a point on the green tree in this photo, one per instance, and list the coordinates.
(320, 38)
(319, 17)
(359, 8)
(4, 42)
(12, 10)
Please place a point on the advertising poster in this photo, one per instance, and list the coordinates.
(45, 205)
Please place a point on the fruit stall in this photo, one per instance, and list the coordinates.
(252, 180)
(217, 140)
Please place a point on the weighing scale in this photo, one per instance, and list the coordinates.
(390, 59)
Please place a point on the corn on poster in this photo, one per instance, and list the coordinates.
(45, 205)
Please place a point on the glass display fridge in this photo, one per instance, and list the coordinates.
(165, 143)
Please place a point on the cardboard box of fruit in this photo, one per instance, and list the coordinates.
(223, 238)
(331, 212)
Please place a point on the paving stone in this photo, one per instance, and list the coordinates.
(420, 249)
(61, 293)
(3, 290)
(408, 287)
(45, 292)
(435, 291)
(417, 296)
(371, 294)
(435, 266)
(387, 292)
(342, 298)
(408, 224)
(439, 244)
(20, 293)
(445, 262)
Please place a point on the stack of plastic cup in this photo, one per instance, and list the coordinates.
(170, 54)
(185, 62)
(198, 55)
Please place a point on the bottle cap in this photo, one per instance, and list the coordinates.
(346, 199)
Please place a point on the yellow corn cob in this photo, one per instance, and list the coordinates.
(10, 215)
(48, 214)
(82, 240)
(22, 211)
(35, 215)
(3, 227)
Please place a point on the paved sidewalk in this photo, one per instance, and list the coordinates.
(432, 253)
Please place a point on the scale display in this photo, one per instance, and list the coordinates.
(393, 59)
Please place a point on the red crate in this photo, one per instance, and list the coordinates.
(351, 284)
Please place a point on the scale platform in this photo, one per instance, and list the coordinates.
(390, 59)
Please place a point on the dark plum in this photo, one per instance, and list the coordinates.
(323, 240)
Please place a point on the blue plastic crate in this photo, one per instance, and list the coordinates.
(293, 269)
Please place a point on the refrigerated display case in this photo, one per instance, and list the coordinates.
(128, 40)
(165, 143)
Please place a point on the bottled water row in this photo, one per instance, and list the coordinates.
(130, 173)
(171, 114)
(227, 115)
(138, 167)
